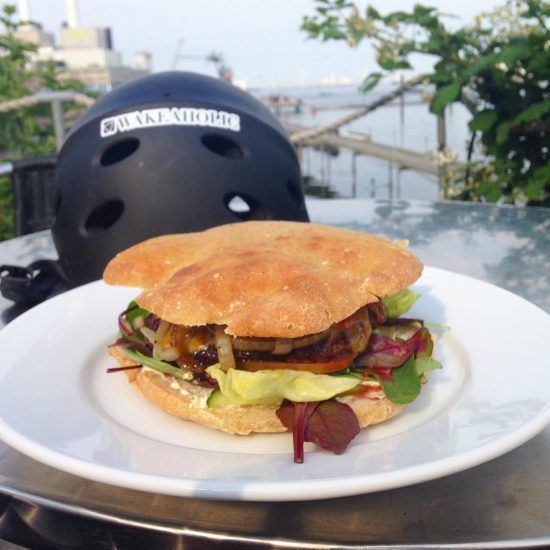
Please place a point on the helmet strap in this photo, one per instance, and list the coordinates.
(33, 284)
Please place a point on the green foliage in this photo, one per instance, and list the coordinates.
(6, 209)
(29, 131)
(445, 95)
(498, 67)
(371, 82)
(484, 120)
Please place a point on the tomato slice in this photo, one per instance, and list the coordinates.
(317, 368)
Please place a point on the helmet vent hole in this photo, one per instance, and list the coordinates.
(245, 207)
(103, 216)
(223, 146)
(295, 191)
(239, 206)
(119, 151)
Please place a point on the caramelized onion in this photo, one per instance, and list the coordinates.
(310, 339)
(149, 335)
(282, 346)
(161, 331)
(138, 322)
(358, 336)
(253, 344)
(162, 328)
(171, 342)
(225, 349)
(278, 346)
(161, 340)
(165, 354)
(188, 340)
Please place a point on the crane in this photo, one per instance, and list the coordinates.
(223, 70)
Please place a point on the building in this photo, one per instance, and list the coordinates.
(87, 53)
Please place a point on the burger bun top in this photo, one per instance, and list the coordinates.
(264, 278)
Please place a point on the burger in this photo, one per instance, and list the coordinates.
(273, 326)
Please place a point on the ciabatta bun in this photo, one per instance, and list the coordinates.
(264, 279)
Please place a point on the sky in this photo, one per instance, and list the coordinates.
(260, 39)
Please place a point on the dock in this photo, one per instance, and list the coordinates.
(363, 145)
(348, 106)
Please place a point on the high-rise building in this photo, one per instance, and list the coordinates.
(87, 53)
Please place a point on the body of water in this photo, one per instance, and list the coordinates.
(416, 130)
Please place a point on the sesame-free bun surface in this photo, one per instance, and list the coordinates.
(264, 278)
(186, 401)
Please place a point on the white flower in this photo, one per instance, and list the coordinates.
(517, 79)
(445, 157)
(501, 67)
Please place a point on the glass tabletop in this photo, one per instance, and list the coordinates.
(502, 503)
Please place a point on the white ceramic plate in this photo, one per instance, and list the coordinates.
(58, 405)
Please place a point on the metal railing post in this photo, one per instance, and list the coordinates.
(354, 174)
(58, 122)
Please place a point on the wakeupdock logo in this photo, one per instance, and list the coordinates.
(169, 116)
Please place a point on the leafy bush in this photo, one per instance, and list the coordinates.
(498, 67)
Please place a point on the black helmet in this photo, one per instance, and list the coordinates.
(168, 153)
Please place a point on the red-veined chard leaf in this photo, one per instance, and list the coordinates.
(384, 352)
(330, 425)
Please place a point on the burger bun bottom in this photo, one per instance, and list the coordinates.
(187, 401)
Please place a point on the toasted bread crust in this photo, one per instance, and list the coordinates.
(265, 279)
(188, 401)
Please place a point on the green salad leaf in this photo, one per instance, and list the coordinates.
(155, 364)
(426, 364)
(406, 381)
(437, 325)
(400, 302)
(405, 384)
(134, 311)
(270, 386)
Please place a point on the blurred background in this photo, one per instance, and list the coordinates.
(389, 100)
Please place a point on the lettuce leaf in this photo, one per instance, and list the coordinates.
(270, 387)
(400, 302)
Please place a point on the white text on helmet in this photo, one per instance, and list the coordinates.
(169, 116)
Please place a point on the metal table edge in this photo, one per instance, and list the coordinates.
(220, 537)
